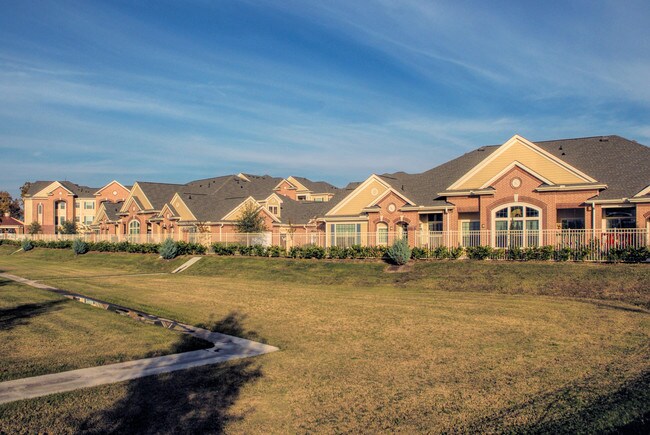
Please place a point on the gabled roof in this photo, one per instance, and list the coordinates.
(159, 194)
(111, 209)
(8, 221)
(79, 191)
(108, 184)
(37, 186)
(622, 164)
(619, 163)
(75, 189)
(316, 186)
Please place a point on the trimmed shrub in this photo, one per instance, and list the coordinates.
(274, 251)
(456, 253)
(399, 253)
(79, 247)
(337, 252)
(419, 253)
(563, 254)
(27, 245)
(440, 253)
(168, 249)
(259, 250)
(222, 249)
(479, 252)
(245, 250)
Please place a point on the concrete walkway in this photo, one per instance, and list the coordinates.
(226, 347)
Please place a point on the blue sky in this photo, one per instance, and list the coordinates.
(333, 90)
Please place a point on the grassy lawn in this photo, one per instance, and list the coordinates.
(41, 332)
(448, 346)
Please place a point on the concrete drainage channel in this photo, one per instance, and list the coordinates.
(225, 347)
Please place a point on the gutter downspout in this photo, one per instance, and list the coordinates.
(447, 236)
(220, 228)
(593, 220)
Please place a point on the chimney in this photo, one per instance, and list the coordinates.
(7, 214)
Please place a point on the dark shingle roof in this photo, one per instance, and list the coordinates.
(159, 193)
(423, 188)
(78, 190)
(317, 186)
(301, 212)
(112, 209)
(37, 186)
(622, 164)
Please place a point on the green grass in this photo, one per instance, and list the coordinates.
(41, 332)
(448, 346)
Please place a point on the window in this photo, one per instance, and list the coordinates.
(76, 218)
(435, 222)
(301, 197)
(470, 231)
(88, 220)
(571, 218)
(273, 209)
(40, 209)
(89, 205)
(76, 204)
(134, 227)
(403, 231)
(516, 226)
(382, 233)
(345, 234)
(619, 218)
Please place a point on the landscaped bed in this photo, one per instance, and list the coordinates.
(449, 346)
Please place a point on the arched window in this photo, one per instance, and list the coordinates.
(40, 208)
(516, 225)
(382, 233)
(134, 227)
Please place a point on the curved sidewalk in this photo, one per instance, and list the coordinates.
(226, 347)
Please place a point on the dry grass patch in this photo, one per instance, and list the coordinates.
(432, 350)
(41, 333)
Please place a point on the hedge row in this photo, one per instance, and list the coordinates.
(546, 253)
(182, 248)
(541, 253)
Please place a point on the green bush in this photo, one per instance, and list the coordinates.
(79, 247)
(337, 252)
(222, 249)
(563, 254)
(479, 252)
(456, 253)
(168, 249)
(274, 251)
(399, 253)
(440, 253)
(260, 251)
(27, 245)
(419, 253)
(245, 250)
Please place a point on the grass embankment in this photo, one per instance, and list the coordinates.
(449, 346)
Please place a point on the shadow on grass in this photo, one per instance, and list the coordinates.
(232, 324)
(197, 400)
(21, 315)
(573, 410)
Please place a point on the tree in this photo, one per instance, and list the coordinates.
(9, 205)
(250, 220)
(25, 188)
(68, 227)
(34, 228)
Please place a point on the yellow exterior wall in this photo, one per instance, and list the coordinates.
(81, 212)
(182, 209)
(361, 199)
(138, 193)
(29, 208)
(524, 155)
